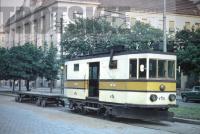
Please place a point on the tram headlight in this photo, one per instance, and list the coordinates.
(153, 97)
(162, 87)
(172, 97)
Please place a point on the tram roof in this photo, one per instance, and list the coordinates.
(107, 54)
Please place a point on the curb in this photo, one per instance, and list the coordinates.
(7, 94)
(189, 121)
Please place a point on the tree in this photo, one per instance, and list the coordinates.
(86, 35)
(188, 51)
(3, 63)
(145, 37)
(50, 65)
(25, 63)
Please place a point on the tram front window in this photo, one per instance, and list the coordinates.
(152, 68)
(142, 65)
(171, 69)
(161, 69)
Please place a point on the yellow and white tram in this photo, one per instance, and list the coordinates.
(133, 84)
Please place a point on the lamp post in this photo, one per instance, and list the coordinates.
(62, 56)
(164, 28)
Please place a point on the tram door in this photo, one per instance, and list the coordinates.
(94, 79)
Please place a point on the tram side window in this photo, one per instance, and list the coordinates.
(152, 68)
(142, 65)
(76, 67)
(133, 68)
(162, 69)
(171, 70)
(113, 64)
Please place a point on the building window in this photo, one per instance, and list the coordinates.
(133, 68)
(19, 34)
(114, 19)
(197, 26)
(27, 32)
(76, 67)
(187, 26)
(77, 15)
(144, 20)
(171, 26)
(133, 21)
(44, 24)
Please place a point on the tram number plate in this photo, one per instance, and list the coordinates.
(161, 98)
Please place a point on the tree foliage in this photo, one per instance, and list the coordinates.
(188, 51)
(3, 63)
(50, 64)
(86, 35)
(27, 62)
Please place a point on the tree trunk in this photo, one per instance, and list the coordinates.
(13, 85)
(27, 85)
(20, 86)
(51, 86)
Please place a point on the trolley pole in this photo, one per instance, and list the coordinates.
(164, 28)
(62, 57)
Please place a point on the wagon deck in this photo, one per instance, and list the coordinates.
(39, 98)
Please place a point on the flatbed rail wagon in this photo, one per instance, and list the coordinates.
(41, 99)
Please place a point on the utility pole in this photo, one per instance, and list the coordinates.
(164, 28)
(62, 57)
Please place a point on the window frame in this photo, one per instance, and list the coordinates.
(156, 68)
(171, 28)
(167, 71)
(114, 62)
(146, 69)
(78, 68)
(136, 77)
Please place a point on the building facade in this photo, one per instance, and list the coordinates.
(2, 37)
(38, 21)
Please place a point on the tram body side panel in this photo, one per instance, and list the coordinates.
(76, 93)
(137, 93)
(135, 98)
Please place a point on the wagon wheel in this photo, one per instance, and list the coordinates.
(71, 105)
(43, 103)
(17, 98)
(20, 99)
(83, 110)
(62, 103)
(38, 102)
(57, 103)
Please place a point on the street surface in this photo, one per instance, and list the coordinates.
(21, 118)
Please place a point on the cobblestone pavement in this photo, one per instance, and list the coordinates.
(17, 118)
